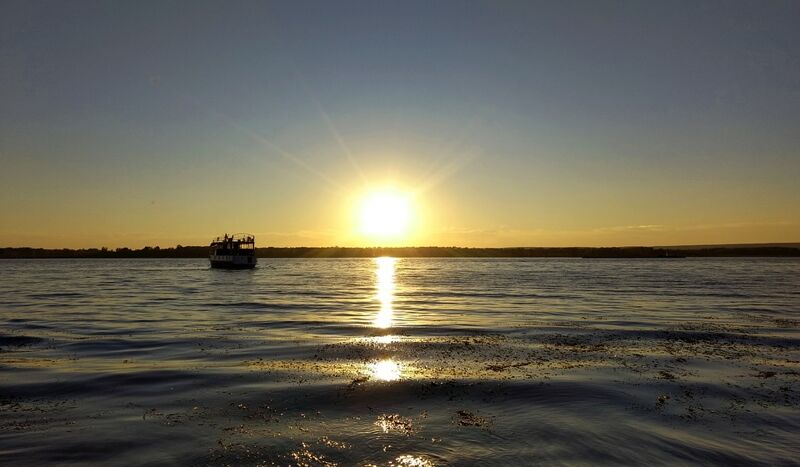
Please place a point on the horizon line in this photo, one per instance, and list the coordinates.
(691, 245)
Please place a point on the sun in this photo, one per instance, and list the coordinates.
(385, 214)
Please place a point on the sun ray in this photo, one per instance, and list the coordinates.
(254, 135)
(331, 127)
(452, 167)
(350, 157)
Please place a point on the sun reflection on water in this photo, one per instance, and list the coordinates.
(385, 370)
(384, 283)
(385, 340)
(408, 460)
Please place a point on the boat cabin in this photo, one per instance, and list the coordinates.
(237, 251)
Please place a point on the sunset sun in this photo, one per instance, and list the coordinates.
(385, 214)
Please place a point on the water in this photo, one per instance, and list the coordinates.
(410, 362)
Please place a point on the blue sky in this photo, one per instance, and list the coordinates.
(513, 123)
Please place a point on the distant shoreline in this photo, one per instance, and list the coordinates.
(786, 250)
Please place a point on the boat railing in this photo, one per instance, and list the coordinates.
(241, 238)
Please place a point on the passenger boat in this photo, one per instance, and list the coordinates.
(237, 251)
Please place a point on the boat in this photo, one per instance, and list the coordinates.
(237, 251)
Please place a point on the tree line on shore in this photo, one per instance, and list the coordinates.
(408, 252)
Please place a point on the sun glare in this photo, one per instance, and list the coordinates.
(385, 370)
(385, 214)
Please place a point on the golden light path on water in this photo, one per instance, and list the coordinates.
(386, 369)
(384, 284)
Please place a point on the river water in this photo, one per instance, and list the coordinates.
(404, 362)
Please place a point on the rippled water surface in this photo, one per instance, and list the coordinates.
(411, 362)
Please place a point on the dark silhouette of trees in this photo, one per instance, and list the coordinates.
(410, 252)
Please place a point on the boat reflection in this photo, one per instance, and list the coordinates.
(384, 283)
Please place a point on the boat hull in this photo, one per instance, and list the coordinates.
(230, 265)
(233, 261)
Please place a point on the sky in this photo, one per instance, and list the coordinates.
(563, 123)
